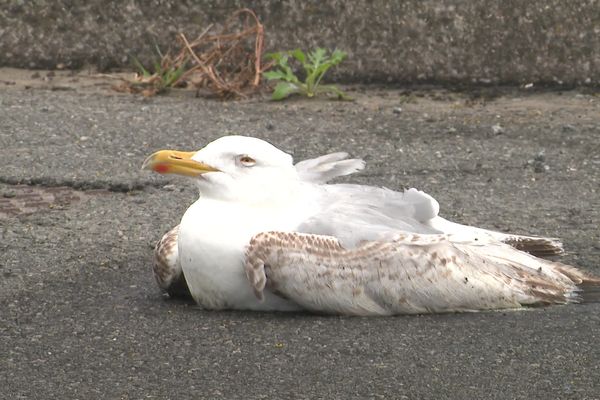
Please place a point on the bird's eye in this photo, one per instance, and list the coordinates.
(247, 161)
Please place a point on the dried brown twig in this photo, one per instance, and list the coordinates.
(227, 63)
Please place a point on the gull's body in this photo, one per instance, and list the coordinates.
(265, 235)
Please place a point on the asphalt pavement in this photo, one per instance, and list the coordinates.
(80, 314)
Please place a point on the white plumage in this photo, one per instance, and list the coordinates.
(268, 235)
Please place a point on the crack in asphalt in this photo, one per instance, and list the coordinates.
(84, 185)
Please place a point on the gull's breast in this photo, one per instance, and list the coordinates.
(212, 241)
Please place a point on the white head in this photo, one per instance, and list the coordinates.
(232, 168)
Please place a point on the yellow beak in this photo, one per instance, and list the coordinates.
(176, 162)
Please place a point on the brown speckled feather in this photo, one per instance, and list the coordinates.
(411, 274)
(167, 271)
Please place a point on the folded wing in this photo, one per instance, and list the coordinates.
(410, 274)
(355, 213)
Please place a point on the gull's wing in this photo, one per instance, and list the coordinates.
(411, 274)
(325, 168)
(357, 213)
(385, 210)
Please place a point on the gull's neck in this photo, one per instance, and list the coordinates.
(248, 215)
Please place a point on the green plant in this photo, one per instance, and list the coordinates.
(168, 75)
(315, 64)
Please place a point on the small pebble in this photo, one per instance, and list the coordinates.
(538, 162)
(540, 157)
(497, 129)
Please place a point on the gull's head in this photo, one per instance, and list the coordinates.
(235, 168)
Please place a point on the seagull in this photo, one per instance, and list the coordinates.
(269, 235)
(167, 269)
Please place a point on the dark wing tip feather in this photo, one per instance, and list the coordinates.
(539, 247)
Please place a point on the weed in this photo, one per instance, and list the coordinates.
(315, 64)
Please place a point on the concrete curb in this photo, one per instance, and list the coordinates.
(449, 41)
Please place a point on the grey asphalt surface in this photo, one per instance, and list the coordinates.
(81, 317)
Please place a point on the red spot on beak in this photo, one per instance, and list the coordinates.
(161, 168)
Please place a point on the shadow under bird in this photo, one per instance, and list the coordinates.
(266, 234)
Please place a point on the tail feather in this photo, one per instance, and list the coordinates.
(577, 276)
(588, 285)
(543, 282)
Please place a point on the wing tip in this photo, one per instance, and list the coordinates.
(539, 247)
